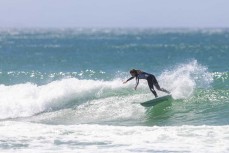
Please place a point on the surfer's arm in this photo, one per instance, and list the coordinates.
(128, 79)
(137, 82)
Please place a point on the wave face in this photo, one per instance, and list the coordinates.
(74, 101)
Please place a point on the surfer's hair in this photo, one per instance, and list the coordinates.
(135, 72)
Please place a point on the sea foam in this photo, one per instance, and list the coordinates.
(27, 99)
(184, 78)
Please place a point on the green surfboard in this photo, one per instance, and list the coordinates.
(156, 101)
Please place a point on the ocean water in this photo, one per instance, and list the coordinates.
(61, 90)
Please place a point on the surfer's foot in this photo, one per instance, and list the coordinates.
(154, 93)
(165, 91)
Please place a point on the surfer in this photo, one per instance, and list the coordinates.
(152, 81)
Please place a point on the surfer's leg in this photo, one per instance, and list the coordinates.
(161, 89)
(150, 83)
(153, 91)
(157, 85)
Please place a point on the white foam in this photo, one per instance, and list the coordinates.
(183, 79)
(121, 109)
(28, 99)
(27, 137)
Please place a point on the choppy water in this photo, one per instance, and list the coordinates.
(61, 90)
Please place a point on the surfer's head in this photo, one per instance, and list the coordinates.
(134, 72)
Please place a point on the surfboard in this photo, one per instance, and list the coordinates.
(156, 101)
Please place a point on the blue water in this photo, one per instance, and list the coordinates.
(70, 81)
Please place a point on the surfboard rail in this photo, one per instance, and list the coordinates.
(156, 101)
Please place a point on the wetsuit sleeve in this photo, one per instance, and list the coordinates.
(137, 82)
(129, 79)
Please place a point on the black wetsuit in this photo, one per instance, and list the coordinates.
(152, 81)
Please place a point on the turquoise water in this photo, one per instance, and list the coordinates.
(67, 85)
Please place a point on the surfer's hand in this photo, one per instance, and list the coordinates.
(124, 82)
(135, 88)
